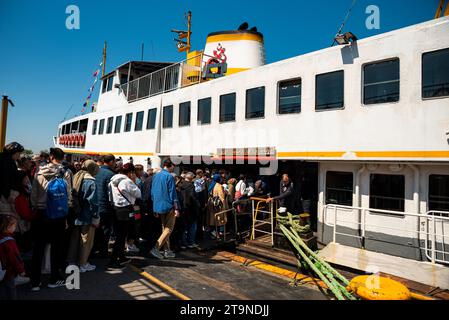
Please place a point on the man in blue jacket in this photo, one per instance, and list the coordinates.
(105, 209)
(165, 205)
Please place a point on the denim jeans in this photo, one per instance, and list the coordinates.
(189, 234)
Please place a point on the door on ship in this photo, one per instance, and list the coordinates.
(304, 176)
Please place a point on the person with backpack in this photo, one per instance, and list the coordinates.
(50, 197)
(87, 217)
(12, 268)
(123, 192)
(217, 203)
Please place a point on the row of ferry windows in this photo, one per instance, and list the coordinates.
(380, 85)
(387, 192)
(107, 125)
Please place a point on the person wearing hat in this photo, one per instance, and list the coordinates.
(87, 218)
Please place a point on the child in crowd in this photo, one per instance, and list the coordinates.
(10, 259)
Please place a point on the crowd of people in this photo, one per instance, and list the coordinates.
(72, 211)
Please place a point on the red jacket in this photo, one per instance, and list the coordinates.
(22, 204)
(10, 257)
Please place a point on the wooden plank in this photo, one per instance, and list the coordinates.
(368, 261)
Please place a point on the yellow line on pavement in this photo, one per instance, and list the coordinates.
(161, 284)
(273, 269)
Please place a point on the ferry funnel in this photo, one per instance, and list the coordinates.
(241, 49)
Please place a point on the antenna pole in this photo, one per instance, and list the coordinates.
(189, 28)
(142, 50)
(103, 67)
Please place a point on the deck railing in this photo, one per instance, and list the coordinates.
(431, 229)
(179, 75)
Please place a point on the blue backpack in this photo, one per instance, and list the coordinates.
(57, 199)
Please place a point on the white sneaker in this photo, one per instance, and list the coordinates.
(169, 254)
(21, 280)
(59, 283)
(131, 248)
(193, 246)
(87, 267)
(36, 289)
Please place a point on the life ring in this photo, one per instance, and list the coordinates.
(62, 140)
(82, 139)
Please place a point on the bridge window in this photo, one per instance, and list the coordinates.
(83, 126)
(289, 96)
(255, 103)
(227, 107)
(109, 126)
(439, 192)
(167, 121)
(387, 192)
(339, 188)
(94, 127)
(107, 84)
(101, 128)
(139, 121)
(435, 74)
(329, 93)
(184, 114)
(381, 82)
(151, 121)
(118, 124)
(128, 122)
(204, 111)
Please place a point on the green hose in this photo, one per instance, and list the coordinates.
(290, 227)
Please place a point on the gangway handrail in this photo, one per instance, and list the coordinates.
(429, 217)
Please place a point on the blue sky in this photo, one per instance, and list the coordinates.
(45, 68)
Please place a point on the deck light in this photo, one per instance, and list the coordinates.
(345, 38)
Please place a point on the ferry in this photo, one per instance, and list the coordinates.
(363, 125)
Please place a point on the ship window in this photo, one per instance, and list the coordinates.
(109, 126)
(168, 117)
(184, 114)
(128, 122)
(104, 85)
(289, 96)
(255, 103)
(83, 126)
(74, 127)
(381, 82)
(118, 124)
(204, 111)
(435, 74)
(227, 107)
(94, 127)
(439, 192)
(110, 83)
(329, 92)
(339, 188)
(151, 121)
(139, 121)
(101, 128)
(387, 192)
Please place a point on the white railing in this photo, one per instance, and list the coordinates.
(430, 221)
(179, 75)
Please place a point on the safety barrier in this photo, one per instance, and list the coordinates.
(179, 75)
(429, 227)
